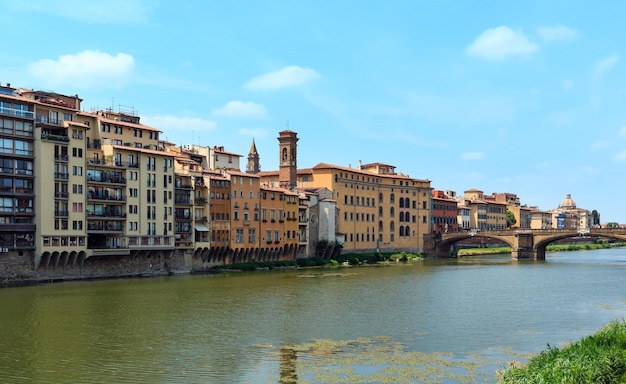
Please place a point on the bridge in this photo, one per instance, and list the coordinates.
(524, 243)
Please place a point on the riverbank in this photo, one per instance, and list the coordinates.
(341, 260)
(549, 248)
(599, 358)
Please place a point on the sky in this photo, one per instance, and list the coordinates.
(525, 97)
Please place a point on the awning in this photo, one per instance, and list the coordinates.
(202, 228)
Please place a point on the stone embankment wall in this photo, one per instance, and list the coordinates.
(20, 270)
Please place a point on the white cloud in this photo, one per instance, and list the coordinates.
(290, 76)
(93, 11)
(176, 123)
(85, 69)
(473, 156)
(605, 65)
(600, 69)
(620, 156)
(568, 84)
(557, 33)
(242, 109)
(601, 144)
(500, 43)
(253, 132)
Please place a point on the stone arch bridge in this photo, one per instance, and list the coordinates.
(524, 243)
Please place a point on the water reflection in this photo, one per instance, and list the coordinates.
(452, 319)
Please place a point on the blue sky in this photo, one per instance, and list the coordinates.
(527, 97)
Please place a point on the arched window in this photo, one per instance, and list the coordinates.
(380, 226)
(391, 212)
(401, 203)
(380, 211)
(401, 231)
(401, 217)
(392, 198)
(407, 231)
(380, 197)
(392, 227)
(407, 203)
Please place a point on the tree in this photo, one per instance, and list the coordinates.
(510, 219)
(595, 217)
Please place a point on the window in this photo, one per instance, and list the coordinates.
(251, 235)
(239, 235)
(77, 171)
(276, 236)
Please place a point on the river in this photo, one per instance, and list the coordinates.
(449, 321)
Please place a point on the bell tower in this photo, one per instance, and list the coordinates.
(254, 165)
(288, 165)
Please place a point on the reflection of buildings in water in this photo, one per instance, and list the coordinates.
(288, 366)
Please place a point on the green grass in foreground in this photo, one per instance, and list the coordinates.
(549, 248)
(597, 359)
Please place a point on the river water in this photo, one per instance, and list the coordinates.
(430, 321)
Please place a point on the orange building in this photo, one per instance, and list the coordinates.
(445, 213)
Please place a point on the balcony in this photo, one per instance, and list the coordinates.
(58, 213)
(17, 112)
(108, 179)
(246, 222)
(57, 138)
(61, 195)
(104, 196)
(113, 215)
(61, 175)
(105, 226)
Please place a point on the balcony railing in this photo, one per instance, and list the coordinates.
(61, 175)
(16, 112)
(107, 179)
(50, 137)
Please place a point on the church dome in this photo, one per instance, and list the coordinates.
(568, 203)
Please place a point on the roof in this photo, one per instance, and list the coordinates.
(364, 172)
(143, 150)
(236, 172)
(216, 150)
(77, 124)
(127, 124)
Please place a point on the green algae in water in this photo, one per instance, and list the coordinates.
(377, 360)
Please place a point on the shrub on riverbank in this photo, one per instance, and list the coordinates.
(252, 266)
(600, 358)
(376, 257)
(549, 248)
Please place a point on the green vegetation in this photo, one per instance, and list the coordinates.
(549, 248)
(580, 247)
(600, 358)
(484, 251)
(376, 257)
(510, 219)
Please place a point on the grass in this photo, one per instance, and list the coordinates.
(549, 248)
(597, 359)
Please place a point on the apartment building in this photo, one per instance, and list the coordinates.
(245, 233)
(17, 176)
(444, 213)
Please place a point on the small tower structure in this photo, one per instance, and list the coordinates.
(254, 165)
(288, 165)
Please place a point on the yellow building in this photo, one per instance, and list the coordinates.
(378, 208)
(244, 236)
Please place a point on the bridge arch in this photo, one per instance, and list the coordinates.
(444, 247)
